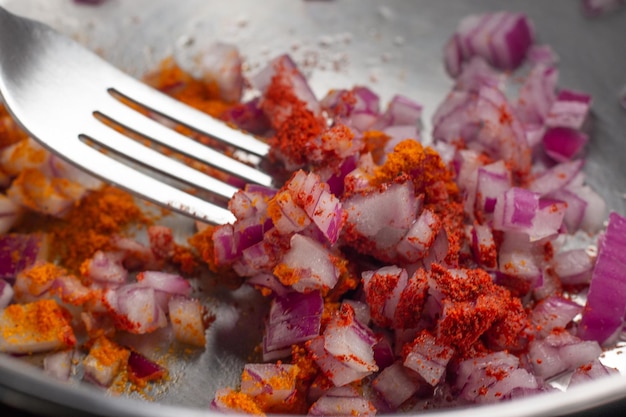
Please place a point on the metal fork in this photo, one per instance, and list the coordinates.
(60, 93)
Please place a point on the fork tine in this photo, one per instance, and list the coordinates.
(123, 145)
(170, 108)
(152, 130)
(144, 185)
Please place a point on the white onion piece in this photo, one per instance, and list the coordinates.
(591, 372)
(553, 312)
(6, 294)
(221, 65)
(59, 364)
(492, 181)
(270, 383)
(594, 8)
(10, 213)
(542, 54)
(106, 268)
(570, 110)
(187, 319)
(337, 371)
(350, 342)
(165, 282)
(560, 352)
(104, 362)
(309, 263)
(293, 318)
(492, 377)
(556, 177)
(537, 94)
(420, 237)
(428, 358)
(342, 401)
(573, 267)
(603, 315)
(396, 384)
(284, 71)
(22, 333)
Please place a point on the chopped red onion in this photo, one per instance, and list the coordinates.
(537, 94)
(603, 315)
(517, 257)
(553, 312)
(283, 70)
(557, 177)
(6, 294)
(350, 342)
(417, 241)
(542, 54)
(10, 213)
(31, 247)
(342, 401)
(59, 364)
(221, 66)
(248, 116)
(338, 372)
(560, 352)
(396, 384)
(143, 368)
(563, 144)
(270, 383)
(484, 246)
(187, 319)
(428, 358)
(98, 371)
(307, 265)
(502, 38)
(594, 8)
(570, 110)
(477, 73)
(492, 181)
(294, 318)
(492, 377)
(401, 111)
(106, 268)
(165, 282)
(573, 267)
(590, 372)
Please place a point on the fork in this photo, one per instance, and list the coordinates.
(67, 97)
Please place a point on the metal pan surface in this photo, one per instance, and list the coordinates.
(392, 46)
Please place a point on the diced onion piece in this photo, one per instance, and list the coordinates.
(560, 352)
(603, 315)
(553, 312)
(417, 241)
(221, 66)
(342, 401)
(31, 247)
(135, 308)
(428, 358)
(59, 364)
(144, 369)
(307, 266)
(187, 318)
(590, 372)
(104, 362)
(10, 213)
(337, 371)
(594, 8)
(293, 318)
(537, 94)
(35, 327)
(106, 268)
(165, 282)
(570, 110)
(573, 267)
(396, 384)
(6, 294)
(556, 177)
(269, 384)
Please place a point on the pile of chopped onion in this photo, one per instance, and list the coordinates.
(395, 272)
(440, 269)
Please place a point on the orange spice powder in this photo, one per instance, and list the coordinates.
(89, 225)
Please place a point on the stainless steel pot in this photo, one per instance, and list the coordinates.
(392, 46)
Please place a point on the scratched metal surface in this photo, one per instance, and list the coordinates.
(392, 46)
